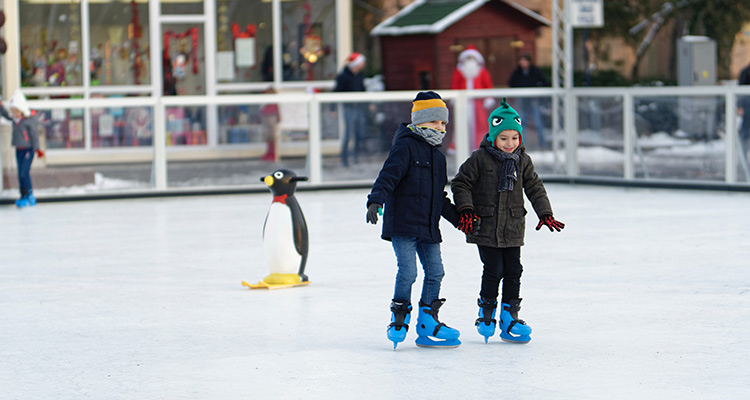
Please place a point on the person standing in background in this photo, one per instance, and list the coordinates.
(471, 73)
(527, 74)
(26, 141)
(744, 111)
(351, 79)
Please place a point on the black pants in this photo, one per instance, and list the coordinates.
(501, 263)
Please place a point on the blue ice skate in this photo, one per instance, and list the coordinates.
(486, 322)
(512, 329)
(432, 332)
(22, 202)
(30, 197)
(400, 316)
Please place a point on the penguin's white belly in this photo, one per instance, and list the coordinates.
(278, 241)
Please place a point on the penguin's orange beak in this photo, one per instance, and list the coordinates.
(268, 180)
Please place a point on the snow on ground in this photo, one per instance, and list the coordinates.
(644, 295)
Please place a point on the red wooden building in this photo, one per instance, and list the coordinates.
(420, 43)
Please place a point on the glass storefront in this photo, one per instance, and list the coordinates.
(244, 41)
(176, 7)
(184, 66)
(62, 128)
(50, 41)
(119, 49)
(309, 36)
(121, 127)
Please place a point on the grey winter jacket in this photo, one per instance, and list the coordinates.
(24, 132)
(502, 214)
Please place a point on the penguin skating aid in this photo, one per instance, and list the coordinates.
(285, 240)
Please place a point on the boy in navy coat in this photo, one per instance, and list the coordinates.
(411, 186)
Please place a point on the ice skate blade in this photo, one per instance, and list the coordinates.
(424, 341)
(516, 340)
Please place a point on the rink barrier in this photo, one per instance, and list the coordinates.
(566, 145)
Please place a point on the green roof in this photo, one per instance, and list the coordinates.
(428, 13)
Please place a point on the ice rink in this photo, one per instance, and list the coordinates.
(645, 294)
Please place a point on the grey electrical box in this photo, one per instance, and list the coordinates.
(696, 61)
(696, 66)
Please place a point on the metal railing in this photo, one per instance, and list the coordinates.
(564, 152)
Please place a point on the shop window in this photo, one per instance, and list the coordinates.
(50, 43)
(119, 37)
(183, 59)
(309, 39)
(121, 126)
(245, 39)
(184, 7)
(61, 128)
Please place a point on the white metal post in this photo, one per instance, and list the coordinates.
(730, 136)
(461, 124)
(278, 43)
(209, 38)
(569, 103)
(159, 168)
(155, 50)
(314, 155)
(628, 135)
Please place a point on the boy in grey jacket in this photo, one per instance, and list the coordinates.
(26, 141)
(489, 188)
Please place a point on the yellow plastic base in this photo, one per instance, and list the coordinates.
(277, 281)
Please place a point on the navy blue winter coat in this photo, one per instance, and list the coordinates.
(411, 186)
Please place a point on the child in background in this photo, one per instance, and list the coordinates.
(489, 188)
(411, 185)
(26, 141)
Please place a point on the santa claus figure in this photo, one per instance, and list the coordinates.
(470, 73)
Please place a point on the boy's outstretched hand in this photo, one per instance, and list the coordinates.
(469, 222)
(551, 223)
(372, 212)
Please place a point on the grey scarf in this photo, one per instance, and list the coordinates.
(433, 136)
(509, 171)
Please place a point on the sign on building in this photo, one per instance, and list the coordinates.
(587, 13)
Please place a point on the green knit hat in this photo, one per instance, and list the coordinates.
(503, 118)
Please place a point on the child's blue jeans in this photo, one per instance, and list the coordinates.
(24, 157)
(405, 248)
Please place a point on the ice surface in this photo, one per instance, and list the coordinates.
(645, 294)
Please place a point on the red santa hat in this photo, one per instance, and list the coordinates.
(471, 51)
(355, 60)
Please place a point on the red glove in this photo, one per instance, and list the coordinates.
(551, 223)
(469, 222)
(39, 153)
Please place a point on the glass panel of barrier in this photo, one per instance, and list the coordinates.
(121, 127)
(69, 168)
(743, 138)
(251, 142)
(600, 137)
(538, 137)
(679, 137)
(357, 137)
